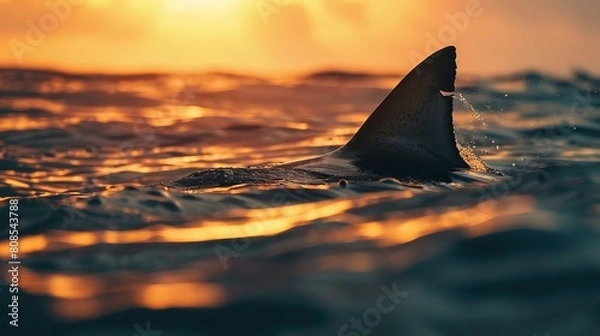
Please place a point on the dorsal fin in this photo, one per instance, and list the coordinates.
(414, 122)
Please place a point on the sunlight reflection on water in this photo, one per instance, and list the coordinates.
(100, 236)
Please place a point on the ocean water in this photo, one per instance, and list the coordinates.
(110, 245)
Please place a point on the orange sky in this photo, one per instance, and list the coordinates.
(290, 36)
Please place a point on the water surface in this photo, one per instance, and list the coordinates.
(108, 248)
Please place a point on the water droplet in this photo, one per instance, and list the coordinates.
(464, 100)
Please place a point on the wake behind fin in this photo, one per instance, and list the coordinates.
(413, 124)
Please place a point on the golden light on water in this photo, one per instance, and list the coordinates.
(82, 296)
(99, 236)
(273, 221)
(244, 224)
(86, 296)
(161, 296)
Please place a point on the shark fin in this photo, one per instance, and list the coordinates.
(413, 124)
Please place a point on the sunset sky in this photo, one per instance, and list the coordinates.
(290, 36)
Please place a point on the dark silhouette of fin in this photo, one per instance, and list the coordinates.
(413, 125)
